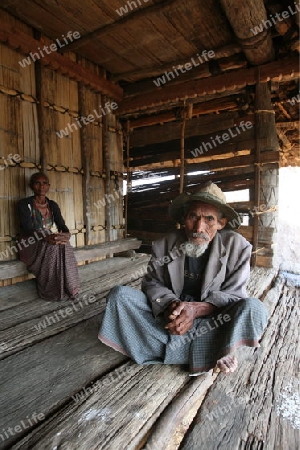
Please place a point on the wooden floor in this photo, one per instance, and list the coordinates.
(62, 389)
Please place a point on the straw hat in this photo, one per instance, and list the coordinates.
(211, 194)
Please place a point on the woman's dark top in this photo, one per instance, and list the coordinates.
(27, 223)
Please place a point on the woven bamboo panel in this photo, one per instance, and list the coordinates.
(26, 132)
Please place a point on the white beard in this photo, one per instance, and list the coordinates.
(194, 250)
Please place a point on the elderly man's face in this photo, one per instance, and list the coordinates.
(202, 224)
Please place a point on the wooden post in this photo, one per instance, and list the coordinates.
(106, 157)
(128, 175)
(85, 156)
(182, 153)
(265, 192)
(41, 113)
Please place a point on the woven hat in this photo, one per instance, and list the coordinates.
(211, 194)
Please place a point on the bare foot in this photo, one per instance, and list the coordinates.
(227, 364)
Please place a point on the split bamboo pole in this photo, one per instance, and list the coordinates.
(85, 152)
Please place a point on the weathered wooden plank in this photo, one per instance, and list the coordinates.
(188, 399)
(13, 269)
(36, 320)
(10, 295)
(114, 418)
(258, 406)
(55, 370)
(260, 281)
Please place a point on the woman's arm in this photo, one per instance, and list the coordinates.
(25, 217)
(58, 218)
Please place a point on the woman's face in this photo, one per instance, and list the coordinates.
(40, 185)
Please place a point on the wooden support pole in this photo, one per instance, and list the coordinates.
(182, 155)
(85, 156)
(128, 174)
(41, 113)
(106, 158)
(266, 140)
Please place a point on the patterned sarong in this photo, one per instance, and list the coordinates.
(55, 268)
(129, 327)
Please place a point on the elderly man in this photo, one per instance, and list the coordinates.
(193, 308)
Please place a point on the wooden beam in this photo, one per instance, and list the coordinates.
(243, 18)
(229, 161)
(199, 145)
(25, 45)
(221, 104)
(275, 71)
(194, 127)
(204, 70)
(222, 52)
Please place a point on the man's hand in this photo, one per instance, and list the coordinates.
(181, 315)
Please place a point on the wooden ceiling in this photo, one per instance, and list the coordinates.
(136, 41)
(153, 34)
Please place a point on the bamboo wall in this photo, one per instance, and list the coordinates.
(35, 103)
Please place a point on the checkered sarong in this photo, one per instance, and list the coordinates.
(129, 327)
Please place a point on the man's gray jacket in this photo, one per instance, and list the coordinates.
(224, 279)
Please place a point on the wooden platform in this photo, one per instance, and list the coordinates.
(16, 270)
(62, 389)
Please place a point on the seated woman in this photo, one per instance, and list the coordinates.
(46, 250)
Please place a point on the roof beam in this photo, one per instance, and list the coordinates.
(233, 81)
(222, 52)
(217, 105)
(244, 17)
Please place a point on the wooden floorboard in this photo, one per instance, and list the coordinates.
(43, 378)
(53, 371)
(118, 415)
(258, 406)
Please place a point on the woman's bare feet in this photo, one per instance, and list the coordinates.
(227, 364)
